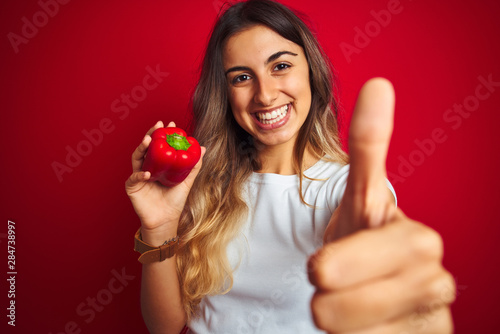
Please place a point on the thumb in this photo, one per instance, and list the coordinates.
(370, 133)
(369, 137)
(367, 201)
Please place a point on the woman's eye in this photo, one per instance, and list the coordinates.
(240, 78)
(281, 66)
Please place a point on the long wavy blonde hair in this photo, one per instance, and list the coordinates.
(215, 209)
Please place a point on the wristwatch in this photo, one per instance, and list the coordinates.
(150, 254)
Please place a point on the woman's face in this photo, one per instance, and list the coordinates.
(268, 83)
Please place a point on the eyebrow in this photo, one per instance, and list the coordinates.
(271, 58)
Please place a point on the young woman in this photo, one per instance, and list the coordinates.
(266, 195)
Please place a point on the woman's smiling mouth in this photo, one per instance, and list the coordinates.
(273, 119)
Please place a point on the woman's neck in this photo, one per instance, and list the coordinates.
(279, 160)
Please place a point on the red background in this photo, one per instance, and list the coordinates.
(71, 234)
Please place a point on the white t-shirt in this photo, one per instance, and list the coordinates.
(271, 292)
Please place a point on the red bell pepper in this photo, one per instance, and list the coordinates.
(171, 156)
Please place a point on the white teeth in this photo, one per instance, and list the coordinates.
(274, 116)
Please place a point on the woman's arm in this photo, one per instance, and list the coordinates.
(159, 209)
(161, 305)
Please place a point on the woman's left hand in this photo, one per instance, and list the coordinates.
(379, 271)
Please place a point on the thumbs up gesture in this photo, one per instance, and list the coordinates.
(378, 271)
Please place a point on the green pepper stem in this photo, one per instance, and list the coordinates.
(178, 142)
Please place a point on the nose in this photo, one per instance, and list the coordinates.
(266, 91)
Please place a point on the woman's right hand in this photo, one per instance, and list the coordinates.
(158, 207)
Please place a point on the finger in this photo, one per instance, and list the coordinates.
(369, 137)
(136, 181)
(423, 288)
(374, 253)
(436, 321)
(158, 125)
(140, 152)
(171, 125)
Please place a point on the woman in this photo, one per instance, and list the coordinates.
(268, 194)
